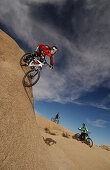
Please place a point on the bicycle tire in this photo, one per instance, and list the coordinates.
(89, 142)
(57, 121)
(22, 62)
(52, 119)
(29, 79)
(77, 136)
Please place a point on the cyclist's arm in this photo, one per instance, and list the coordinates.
(39, 47)
(51, 61)
(86, 130)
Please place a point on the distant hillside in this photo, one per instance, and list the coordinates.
(105, 147)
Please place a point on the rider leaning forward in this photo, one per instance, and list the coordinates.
(57, 116)
(40, 53)
(43, 50)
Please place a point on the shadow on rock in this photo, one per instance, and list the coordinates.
(49, 141)
(48, 131)
(29, 95)
(28, 90)
(25, 69)
(65, 134)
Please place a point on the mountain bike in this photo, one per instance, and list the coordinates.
(87, 139)
(33, 75)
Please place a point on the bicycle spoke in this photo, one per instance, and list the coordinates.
(31, 78)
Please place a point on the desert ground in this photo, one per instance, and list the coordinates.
(29, 141)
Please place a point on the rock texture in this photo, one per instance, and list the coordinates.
(27, 144)
(21, 145)
(69, 153)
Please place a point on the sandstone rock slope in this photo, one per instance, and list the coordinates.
(29, 141)
(21, 146)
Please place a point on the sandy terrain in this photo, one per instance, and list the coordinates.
(71, 154)
(29, 141)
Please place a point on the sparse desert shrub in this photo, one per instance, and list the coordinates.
(49, 141)
(51, 133)
(47, 130)
(65, 134)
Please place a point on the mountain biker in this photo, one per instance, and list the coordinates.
(43, 50)
(40, 53)
(84, 132)
(57, 116)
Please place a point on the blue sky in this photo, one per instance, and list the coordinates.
(72, 116)
(79, 85)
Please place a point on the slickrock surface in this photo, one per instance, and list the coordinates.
(21, 145)
(29, 141)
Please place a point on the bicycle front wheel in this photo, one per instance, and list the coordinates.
(89, 142)
(31, 78)
(57, 121)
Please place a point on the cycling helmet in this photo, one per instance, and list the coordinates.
(54, 48)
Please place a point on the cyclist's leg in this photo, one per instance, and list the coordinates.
(83, 136)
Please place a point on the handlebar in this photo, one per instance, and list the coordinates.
(84, 132)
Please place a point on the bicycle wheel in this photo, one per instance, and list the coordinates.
(89, 142)
(31, 78)
(77, 136)
(52, 119)
(57, 121)
(25, 59)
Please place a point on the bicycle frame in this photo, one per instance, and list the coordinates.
(86, 134)
(31, 64)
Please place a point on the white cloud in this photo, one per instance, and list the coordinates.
(98, 123)
(97, 105)
(44, 1)
(107, 84)
(100, 106)
(38, 113)
(87, 63)
(94, 104)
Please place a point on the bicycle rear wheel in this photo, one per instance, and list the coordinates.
(25, 59)
(31, 78)
(52, 119)
(77, 136)
(89, 142)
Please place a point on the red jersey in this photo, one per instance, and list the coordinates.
(45, 50)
